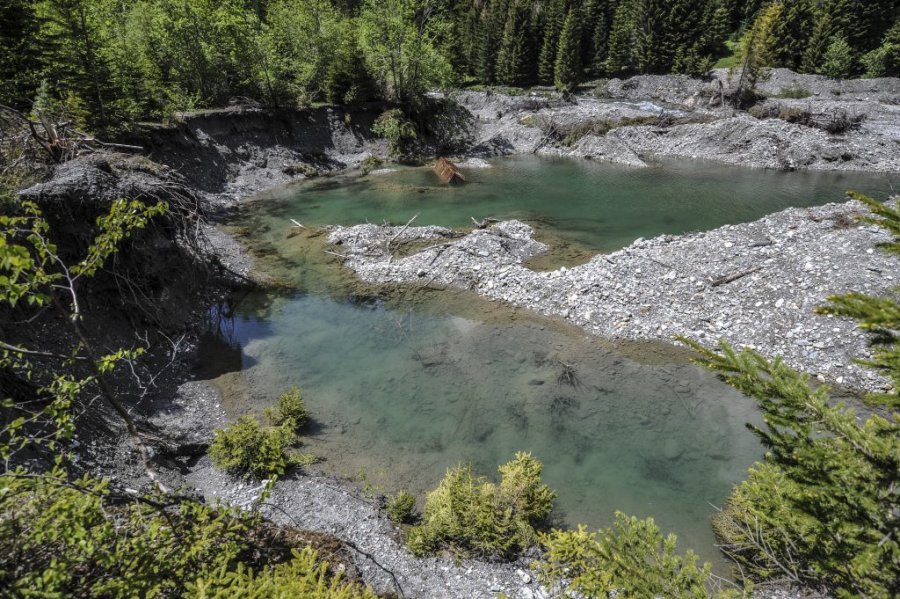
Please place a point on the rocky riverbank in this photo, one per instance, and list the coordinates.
(807, 122)
(754, 284)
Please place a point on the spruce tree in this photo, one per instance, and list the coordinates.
(792, 33)
(822, 505)
(512, 60)
(653, 55)
(837, 62)
(599, 46)
(823, 30)
(567, 74)
(555, 14)
(491, 25)
(621, 57)
(20, 56)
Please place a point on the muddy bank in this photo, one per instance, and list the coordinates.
(660, 116)
(754, 284)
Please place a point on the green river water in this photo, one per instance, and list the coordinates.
(405, 383)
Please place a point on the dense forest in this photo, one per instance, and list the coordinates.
(107, 62)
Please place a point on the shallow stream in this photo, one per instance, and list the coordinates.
(404, 383)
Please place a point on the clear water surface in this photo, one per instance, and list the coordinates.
(404, 388)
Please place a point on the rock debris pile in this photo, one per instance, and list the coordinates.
(755, 284)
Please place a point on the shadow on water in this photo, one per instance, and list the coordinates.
(407, 381)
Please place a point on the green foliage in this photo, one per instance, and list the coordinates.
(400, 44)
(401, 507)
(467, 515)
(794, 93)
(304, 576)
(247, 448)
(567, 71)
(885, 60)
(837, 62)
(821, 509)
(65, 538)
(631, 557)
(290, 411)
(396, 128)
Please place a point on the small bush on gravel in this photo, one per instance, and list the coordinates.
(290, 410)
(400, 508)
(248, 449)
(468, 515)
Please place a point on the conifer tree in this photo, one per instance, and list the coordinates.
(621, 57)
(567, 74)
(553, 21)
(823, 30)
(653, 55)
(792, 33)
(837, 62)
(512, 60)
(884, 61)
(491, 26)
(822, 505)
(20, 59)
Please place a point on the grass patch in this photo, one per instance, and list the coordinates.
(730, 60)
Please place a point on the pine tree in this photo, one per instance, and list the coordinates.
(823, 30)
(491, 25)
(512, 60)
(652, 22)
(621, 57)
(837, 62)
(792, 33)
(567, 74)
(552, 28)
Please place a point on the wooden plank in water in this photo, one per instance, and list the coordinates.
(448, 172)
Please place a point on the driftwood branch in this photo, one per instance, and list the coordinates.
(735, 276)
(399, 233)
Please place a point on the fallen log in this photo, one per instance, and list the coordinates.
(448, 172)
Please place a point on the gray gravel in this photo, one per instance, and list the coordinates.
(517, 125)
(655, 289)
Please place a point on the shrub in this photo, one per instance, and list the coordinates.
(290, 410)
(400, 508)
(79, 538)
(304, 576)
(630, 559)
(396, 128)
(370, 164)
(248, 449)
(466, 514)
(794, 93)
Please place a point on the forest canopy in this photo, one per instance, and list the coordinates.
(107, 62)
